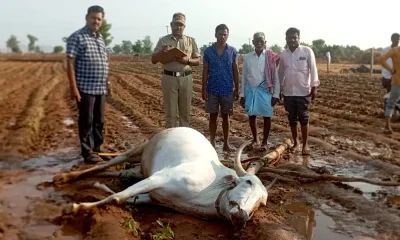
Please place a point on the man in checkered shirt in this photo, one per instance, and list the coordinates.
(87, 68)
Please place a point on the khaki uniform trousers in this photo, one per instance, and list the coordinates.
(177, 92)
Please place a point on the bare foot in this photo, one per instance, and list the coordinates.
(305, 151)
(387, 130)
(293, 147)
(263, 147)
(252, 145)
(227, 148)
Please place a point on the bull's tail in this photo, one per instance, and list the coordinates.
(65, 177)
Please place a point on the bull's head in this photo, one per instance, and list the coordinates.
(247, 194)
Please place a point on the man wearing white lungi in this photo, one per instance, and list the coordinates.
(260, 87)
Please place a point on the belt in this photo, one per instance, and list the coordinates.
(177, 74)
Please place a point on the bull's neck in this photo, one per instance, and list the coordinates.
(213, 202)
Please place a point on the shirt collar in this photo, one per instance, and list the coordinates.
(172, 36)
(262, 53)
(215, 46)
(87, 30)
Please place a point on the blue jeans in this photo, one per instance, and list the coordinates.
(394, 97)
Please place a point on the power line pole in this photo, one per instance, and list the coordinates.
(167, 29)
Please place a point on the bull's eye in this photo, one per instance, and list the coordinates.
(249, 182)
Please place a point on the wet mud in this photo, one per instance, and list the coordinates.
(38, 138)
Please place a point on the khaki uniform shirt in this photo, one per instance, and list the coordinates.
(186, 44)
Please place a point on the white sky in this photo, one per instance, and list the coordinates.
(342, 22)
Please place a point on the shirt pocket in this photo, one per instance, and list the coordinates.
(302, 64)
(187, 47)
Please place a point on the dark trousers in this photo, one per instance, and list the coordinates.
(91, 122)
(298, 109)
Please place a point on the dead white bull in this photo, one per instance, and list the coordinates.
(181, 170)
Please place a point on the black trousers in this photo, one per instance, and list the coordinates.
(91, 122)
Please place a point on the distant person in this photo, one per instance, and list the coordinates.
(87, 68)
(260, 87)
(394, 54)
(328, 57)
(299, 81)
(220, 83)
(177, 79)
(386, 76)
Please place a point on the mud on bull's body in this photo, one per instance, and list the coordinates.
(180, 169)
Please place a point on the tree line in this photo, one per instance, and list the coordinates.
(339, 53)
(13, 44)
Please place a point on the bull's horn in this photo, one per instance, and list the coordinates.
(237, 165)
(270, 184)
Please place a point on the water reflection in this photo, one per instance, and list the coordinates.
(303, 218)
(312, 223)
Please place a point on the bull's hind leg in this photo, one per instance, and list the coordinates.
(141, 187)
(128, 174)
(138, 199)
(65, 177)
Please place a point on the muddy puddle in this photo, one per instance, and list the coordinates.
(30, 199)
(328, 219)
(341, 166)
(315, 224)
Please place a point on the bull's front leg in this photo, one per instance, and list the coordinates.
(144, 186)
(138, 199)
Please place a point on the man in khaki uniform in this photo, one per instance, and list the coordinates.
(177, 81)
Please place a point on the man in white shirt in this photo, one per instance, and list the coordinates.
(260, 87)
(299, 81)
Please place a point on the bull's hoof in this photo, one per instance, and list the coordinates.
(120, 201)
(70, 209)
(59, 179)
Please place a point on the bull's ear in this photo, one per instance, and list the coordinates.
(230, 179)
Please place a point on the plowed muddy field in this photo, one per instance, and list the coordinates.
(38, 139)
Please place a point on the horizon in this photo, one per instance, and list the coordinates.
(50, 26)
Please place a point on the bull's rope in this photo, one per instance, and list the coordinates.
(218, 201)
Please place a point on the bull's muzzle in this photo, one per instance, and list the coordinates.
(238, 217)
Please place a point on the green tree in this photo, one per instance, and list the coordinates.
(246, 48)
(126, 47)
(58, 49)
(13, 44)
(305, 44)
(276, 48)
(117, 48)
(203, 48)
(138, 47)
(147, 45)
(319, 47)
(105, 32)
(38, 50)
(32, 41)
